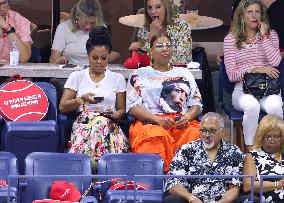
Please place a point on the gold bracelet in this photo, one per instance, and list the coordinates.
(80, 101)
(276, 184)
(187, 117)
(191, 198)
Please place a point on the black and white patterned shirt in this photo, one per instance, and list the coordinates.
(266, 164)
(192, 159)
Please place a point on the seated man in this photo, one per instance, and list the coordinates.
(13, 26)
(209, 156)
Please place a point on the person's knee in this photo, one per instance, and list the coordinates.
(275, 106)
(252, 107)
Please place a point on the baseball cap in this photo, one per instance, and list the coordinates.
(64, 191)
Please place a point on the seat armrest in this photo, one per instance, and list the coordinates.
(130, 118)
(88, 199)
(65, 122)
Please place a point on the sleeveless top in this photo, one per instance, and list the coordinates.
(266, 164)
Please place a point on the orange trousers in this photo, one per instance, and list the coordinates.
(155, 139)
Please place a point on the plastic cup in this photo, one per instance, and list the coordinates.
(192, 16)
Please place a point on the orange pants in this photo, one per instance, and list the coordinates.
(156, 139)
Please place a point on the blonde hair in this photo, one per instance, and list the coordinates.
(267, 124)
(238, 27)
(169, 14)
(86, 9)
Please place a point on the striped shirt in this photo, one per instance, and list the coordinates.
(262, 52)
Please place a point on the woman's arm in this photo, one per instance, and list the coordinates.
(59, 44)
(179, 190)
(25, 49)
(230, 195)
(120, 106)
(250, 169)
(68, 101)
(142, 114)
(190, 115)
(56, 57)
(234, 72)
(270, 43)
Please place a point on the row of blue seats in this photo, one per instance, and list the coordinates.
(42, 168)
(48, 135)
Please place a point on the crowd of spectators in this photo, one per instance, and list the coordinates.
(165, 100)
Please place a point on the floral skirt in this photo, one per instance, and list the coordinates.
(96, 135)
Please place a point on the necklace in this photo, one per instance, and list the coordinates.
(169, 67)
(97, 78)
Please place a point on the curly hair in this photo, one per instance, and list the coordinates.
(238, 27)
(267, 124)
(99, 36)
(170, 14)
(86, 9)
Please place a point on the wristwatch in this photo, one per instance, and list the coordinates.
(12, 30)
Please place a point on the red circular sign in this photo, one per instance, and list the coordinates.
(23, 100)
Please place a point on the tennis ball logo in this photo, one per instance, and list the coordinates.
(22, 100)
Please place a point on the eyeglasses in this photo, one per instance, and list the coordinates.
(164, 45)
(4, 3)
(269, 138)
(211, 131)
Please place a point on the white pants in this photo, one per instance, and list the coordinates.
(271, 104)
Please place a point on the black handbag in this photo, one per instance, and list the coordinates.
(260, 85)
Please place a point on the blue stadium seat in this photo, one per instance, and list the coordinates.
(22, 138)
(8, 166)
(281, 69)
(35, 57)
(55, 164)
(130, 165)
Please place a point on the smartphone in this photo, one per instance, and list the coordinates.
(98, 98)
(69, 65)
(177, 118)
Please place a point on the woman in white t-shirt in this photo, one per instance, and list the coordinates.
(100, 95)
(69, 44)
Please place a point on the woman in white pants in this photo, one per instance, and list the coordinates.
(251, 46)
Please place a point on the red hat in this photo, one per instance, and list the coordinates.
(3, 183)
(64, 191)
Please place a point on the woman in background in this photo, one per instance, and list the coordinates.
(251, 46)
(13, 26)
(69, 44)
(267, 158)
(160, 15)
